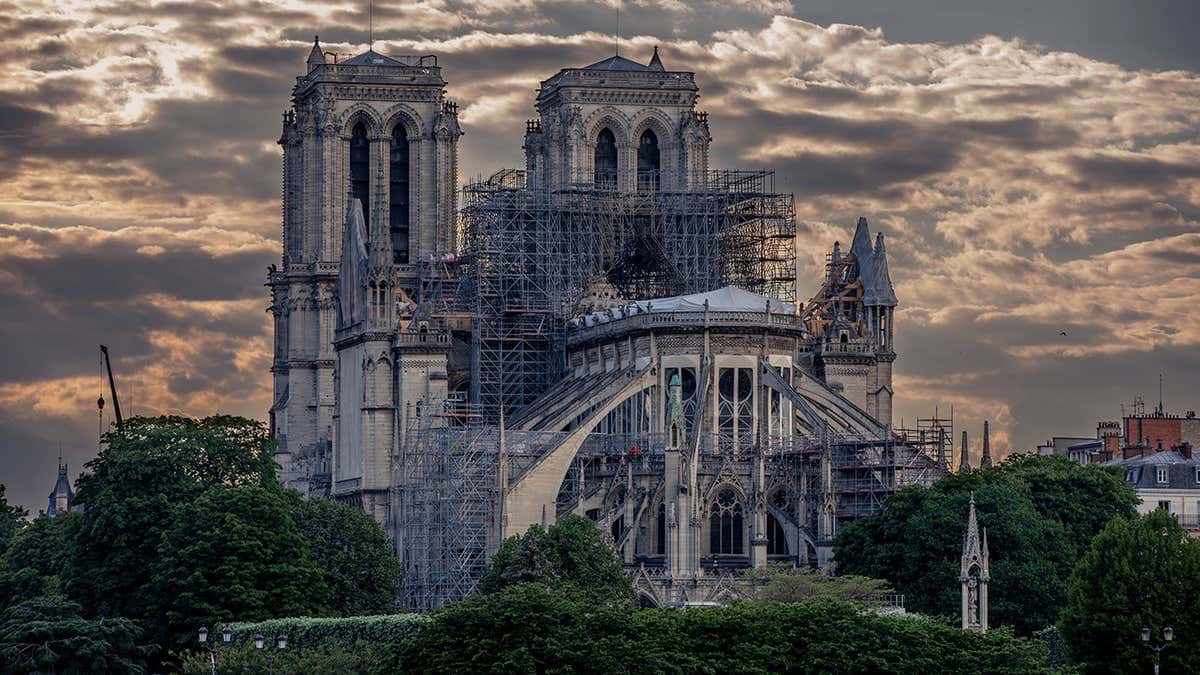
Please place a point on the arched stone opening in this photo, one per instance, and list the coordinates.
(399, 194)
(649, 161)
(360, 170)
(604, 171)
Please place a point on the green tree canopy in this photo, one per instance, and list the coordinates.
(149, 467)
(916, 543)
(786, 583)
(536, 628)
(1082, 498)
(1142, 571)
(570, 555)
(12, 519)
(353, 553)
(45, 545)
(47, 634)
(234, 553)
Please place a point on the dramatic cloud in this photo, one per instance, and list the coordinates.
(1026, 189)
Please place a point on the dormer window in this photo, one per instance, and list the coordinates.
(1162, 474)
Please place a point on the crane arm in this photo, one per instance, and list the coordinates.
(112, 387)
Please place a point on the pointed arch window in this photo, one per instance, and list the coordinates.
(776, 537)
(398, 199)
(660, 529)
(726, 525)
(648, 158)
(605, 160)
(360, 170)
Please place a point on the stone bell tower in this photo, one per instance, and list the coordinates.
(618, 124)
(372, 128)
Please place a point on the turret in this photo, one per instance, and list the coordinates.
(316, 57)
(655, 62)
(964, 464)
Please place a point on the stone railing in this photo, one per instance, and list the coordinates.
(649, 320)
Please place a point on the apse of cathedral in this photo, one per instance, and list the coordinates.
(611, 331)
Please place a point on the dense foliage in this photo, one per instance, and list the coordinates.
(185, 524)
(354, 555)
(233, 553)
(1139, 572)
(785, 583)
(571, 556)
(47, 634)
(12, 519)
(1038, 512)
(148, 469)
(361, 644)
(532, 627)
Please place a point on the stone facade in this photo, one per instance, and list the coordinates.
(397, 110)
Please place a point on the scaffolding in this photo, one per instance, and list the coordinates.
(529, 256)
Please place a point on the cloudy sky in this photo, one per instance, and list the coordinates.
(1035, 165)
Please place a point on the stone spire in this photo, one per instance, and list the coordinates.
(655, 62)
(352, 275)
(316, 57)
(941, 446)
(861, 248)
(974, 575)
(675, 423)
(880, 291)
(986, 461)
(963, 464)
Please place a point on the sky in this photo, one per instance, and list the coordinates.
(1035, 167)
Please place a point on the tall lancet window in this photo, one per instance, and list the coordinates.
(360, 170)
(725, 525)
(605, 171)
(648, 158)
(398, 217)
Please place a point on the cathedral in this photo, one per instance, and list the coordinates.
(611, 331)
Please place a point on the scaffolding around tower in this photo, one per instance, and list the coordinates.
(530, 255)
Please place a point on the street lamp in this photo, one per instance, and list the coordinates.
(1168, 636)
(226, 638)
(280, 643)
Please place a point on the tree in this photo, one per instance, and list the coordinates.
(353, 553)
(570, 555)
(1082, 498)
(35, 560)
(47, 634)
(234, 553)
(534, 627)
(12, 519)
(916, 544)
(1138, 572)
(148, 468)
(785, 583)
(45, 545)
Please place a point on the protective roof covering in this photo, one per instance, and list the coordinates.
(618, 63)
(872, 266)
(727, 299)
(372, 58)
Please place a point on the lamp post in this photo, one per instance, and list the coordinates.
(1168, 636)
(280, 644)
(226, 639)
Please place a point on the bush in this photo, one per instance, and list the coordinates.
(356, 644)
(535, 627)
(369, 659)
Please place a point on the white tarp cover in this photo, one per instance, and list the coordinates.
(727, 299)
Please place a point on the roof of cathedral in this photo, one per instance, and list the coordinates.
(372, 58)
(727, 299)
(621, 63)
(872, 266)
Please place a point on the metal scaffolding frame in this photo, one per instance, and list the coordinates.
(529, 256)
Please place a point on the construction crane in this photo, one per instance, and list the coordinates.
(112, 387)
